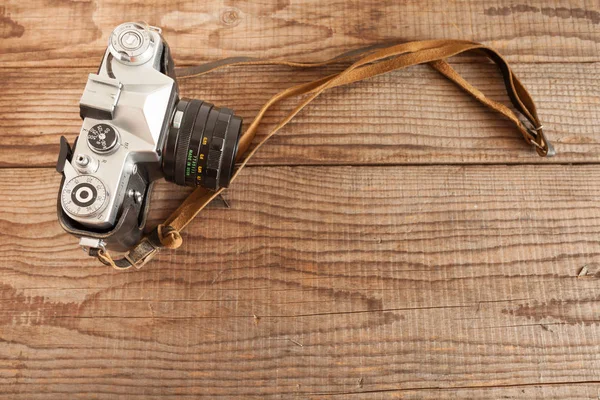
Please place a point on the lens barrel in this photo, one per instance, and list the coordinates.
(202, 145)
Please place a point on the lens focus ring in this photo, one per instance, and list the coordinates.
(215, 151)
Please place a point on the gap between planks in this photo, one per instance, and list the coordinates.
(547, 161)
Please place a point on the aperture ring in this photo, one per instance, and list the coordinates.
(193, 173)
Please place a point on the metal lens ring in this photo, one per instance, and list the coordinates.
(172, 139)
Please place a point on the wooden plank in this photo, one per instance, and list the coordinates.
(558, 392)
(407, 117)
(387, 280)
(61, 33)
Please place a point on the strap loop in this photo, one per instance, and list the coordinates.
(375, 61)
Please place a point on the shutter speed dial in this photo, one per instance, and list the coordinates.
(102, 138)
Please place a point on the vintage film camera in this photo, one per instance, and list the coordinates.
(136, 130)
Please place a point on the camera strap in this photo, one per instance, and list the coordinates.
(370, 62)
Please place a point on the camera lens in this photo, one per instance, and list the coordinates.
(202, 144)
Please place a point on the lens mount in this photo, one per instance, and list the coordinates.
(202, 145)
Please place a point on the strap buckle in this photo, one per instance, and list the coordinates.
(543, 146)
(143, 252)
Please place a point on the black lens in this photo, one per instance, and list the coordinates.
(202, 144)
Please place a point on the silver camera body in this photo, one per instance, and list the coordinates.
(129, 108)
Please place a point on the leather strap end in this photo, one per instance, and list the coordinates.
(551, 152)
(542, 145)
(544, 148)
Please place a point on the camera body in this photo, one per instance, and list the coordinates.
(136, 130)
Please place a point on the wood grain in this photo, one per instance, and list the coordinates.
(416, 282)
(66, 33)
(407, 117)
(362, 255)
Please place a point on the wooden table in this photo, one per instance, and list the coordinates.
(396, 240)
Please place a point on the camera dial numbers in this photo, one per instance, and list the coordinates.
(84, 196)
(102, 138)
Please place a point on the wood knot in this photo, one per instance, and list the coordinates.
(231, 16)
(8, 27)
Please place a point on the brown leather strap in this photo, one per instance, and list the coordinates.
(374, 61)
